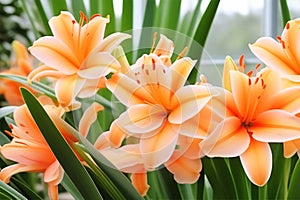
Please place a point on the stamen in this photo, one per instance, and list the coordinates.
(250, 73)
(153, 64)
(94, 16)
(241, 61)
(182, 53)
(257, 67)
(153, 42)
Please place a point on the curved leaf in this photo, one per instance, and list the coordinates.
(64, 154)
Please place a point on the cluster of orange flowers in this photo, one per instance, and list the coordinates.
(166, 122)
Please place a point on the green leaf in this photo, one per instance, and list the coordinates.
(7, 110)
(43, 16)
(94, 7)
(31, 18)
(186, 191)
(207, 190)
(3, 138)
(24, 188)
(168, 14)
(57, 6)
(71, 188)
(64, 154)
(294, 192)
(106, 7)
(38, 86)
(127, 22)
(11, 191)
(201, 35)
(118, 178)
(77, 6)
(284, 12)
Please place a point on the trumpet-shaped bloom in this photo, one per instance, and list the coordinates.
(282, 55)
(21, 65)
(77, 55)
(184, 163)
(158, 105)
(30, 150)
(260, 112)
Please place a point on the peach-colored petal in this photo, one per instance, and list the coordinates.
(189, 147)
(139, 181)
(272, 54)
(257, 162)
(158, 149)
(288, 100)
(111, 42)
(98, 65)
(91, 87)
(142, 119)
(128, 91)
(62, 27)
(115, 135)
(89, 117)
(185, 170)
(276, 126)
(128, 158)
(228, 66)
(291, 39)
(291, 147)
(180, 71)
(191, 100)
(7, 172)
(164, 47)
(43, 72)
(53, 191)
(55, 54)
(54, 173)
(28, 153)
(67, 88)
(229, 133)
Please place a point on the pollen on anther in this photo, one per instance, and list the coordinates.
(256, 80)
(73, 21)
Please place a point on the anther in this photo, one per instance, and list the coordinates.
(249, 81)
(94, 16)
(287, 25)
(241, 61)
(153, 64)
(256, 80)
(250, 73)
(257, 66)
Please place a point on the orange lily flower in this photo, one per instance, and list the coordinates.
(77, 55)
(30, 150)
(184, 163)
(258, 112)
(21, 65)
(158, 104)
(282, 55)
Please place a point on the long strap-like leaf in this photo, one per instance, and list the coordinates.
(64, 154)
